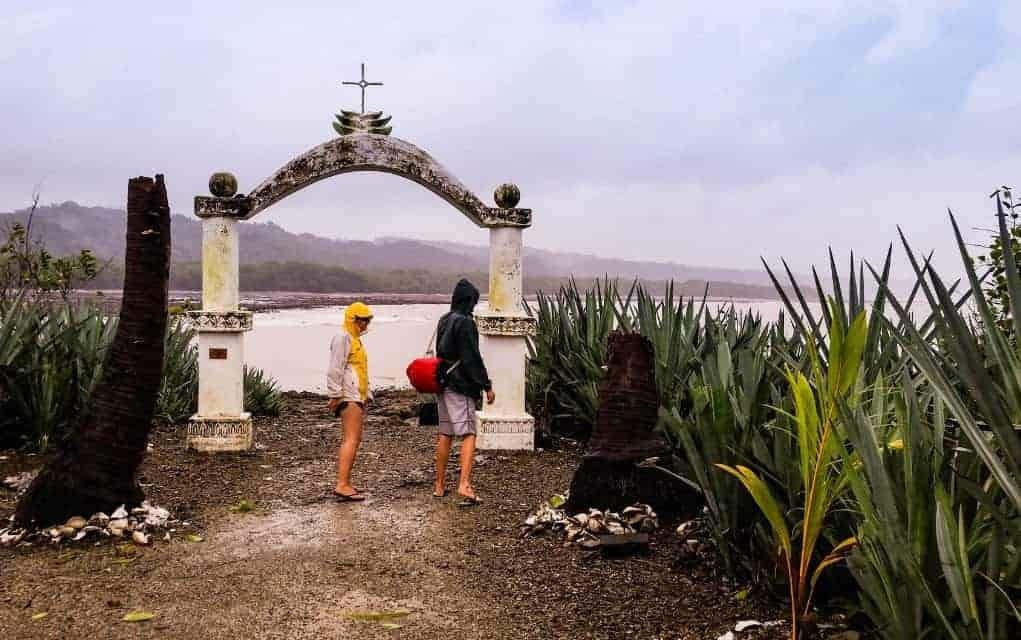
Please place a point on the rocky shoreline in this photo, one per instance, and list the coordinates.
(259, 301)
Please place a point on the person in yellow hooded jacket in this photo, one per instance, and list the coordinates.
(347, 385)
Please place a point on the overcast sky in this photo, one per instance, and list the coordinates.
(706, 133)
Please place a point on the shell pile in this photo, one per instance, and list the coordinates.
(19, 482)
(583, 529)
(137, 525)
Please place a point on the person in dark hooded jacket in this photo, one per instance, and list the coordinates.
(457, 344)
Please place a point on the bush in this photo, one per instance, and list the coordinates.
(262, 394)
(178, 396)
(920, 451)
(51, 357)
(50, 360)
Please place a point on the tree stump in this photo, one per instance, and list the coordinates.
(95, 467)
(624, 435)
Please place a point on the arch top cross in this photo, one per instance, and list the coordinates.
(363, 84)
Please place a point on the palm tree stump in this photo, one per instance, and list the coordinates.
(624, 435)
(95, 467)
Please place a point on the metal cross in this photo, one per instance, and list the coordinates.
(362, 83)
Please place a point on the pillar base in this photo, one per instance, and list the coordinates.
(220, 434)
(508, 433)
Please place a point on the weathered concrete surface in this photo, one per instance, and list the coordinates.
(221, 423)
(505, 276)
(503, 325)
(221, 373)
(220, 435)
(372, 152)
(219, 264)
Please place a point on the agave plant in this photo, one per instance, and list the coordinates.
(973, 372)
(567, 354)
(262, 394)
(178, 394)
(50, 362)
(727, 404)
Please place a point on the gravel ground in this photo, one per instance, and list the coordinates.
(299, 565)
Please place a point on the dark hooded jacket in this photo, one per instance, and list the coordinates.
(457, 340)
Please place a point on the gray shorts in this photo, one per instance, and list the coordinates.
(457, 414)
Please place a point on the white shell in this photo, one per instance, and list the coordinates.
(118, 523)
(121, 512)
(140, 538)
(637, 519)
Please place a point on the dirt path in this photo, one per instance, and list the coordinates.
(298, 565)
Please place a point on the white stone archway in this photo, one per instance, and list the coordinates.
(221, 423)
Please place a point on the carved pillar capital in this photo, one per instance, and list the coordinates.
(496, 217)
(221, 321)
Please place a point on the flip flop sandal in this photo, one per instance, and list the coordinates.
(354, 497)
(469, 501)
(441, 495)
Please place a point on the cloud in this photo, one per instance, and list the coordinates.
(708, 134)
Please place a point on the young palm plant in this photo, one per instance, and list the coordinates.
(822, 458)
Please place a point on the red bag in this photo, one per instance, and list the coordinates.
(422, 374)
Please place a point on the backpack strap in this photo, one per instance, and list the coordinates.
(430, 349)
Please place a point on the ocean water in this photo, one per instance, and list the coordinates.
(293, 345)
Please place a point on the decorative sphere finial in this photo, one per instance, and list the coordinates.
(507, 196)
(223, 184)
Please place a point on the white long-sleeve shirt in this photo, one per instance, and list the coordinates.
(341, 377)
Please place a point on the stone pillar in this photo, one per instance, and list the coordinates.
(503, 327)
(221, 423)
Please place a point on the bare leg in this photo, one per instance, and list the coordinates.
(351, 419)
(442, 456)
(467, 458)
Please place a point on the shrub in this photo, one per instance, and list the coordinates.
(262, 394)
(51, 357)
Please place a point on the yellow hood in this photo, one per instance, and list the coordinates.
(355, 310)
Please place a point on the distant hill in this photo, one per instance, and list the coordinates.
(70, 227)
